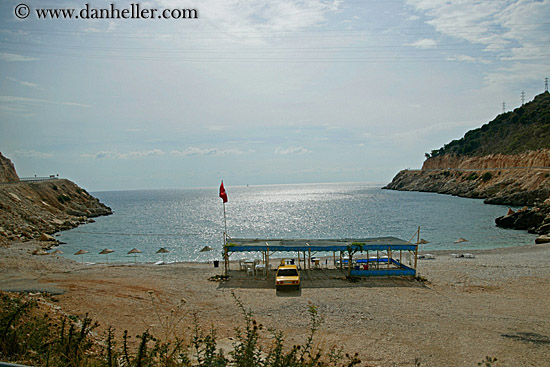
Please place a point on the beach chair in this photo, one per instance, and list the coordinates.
(249, 270)
(261, 269)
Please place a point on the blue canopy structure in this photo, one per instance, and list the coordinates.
(349, 246)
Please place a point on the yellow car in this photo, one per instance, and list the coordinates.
(287, 277)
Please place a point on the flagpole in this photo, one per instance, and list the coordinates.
(223, 195)
(225, 259)
(224, 224)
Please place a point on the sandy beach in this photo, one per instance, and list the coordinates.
(495, 304)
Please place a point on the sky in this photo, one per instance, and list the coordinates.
(258, 92)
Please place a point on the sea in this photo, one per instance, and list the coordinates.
(185, 221)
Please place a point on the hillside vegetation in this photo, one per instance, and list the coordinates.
(524, 129)
(506, 162)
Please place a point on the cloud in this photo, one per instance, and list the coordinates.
(23, 83)
(504, 32)
(515, 74)
(507, 28)
(292, 150)
(413, 134)
(31, 154)
(26, 107)
(9, 57)
(462, 58)
(111, 27)
(217, 128)
(254, 22)
(27, 100)
(105, 154)
(195, 151)
(424, 43)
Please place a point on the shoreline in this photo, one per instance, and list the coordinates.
(467, 309)
(235, 261)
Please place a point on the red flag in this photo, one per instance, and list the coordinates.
(223, 194)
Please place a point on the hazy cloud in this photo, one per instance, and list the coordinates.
(292, 150)
(17, 99)
(462, 58)
(195, 151)
(9, 57)
(254, 21)
(31, 154)
(495, 24)
(424, 43)
(23, 83)
(116, 155)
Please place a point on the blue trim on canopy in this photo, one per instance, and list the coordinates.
(296, 245)
(386, 272)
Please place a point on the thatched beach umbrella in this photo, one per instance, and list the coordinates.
(206, 248)
(162, 251)
(423, 242)
(57, 252)
(81, 252)
(461, 240)
(106, 252)
(134, 251)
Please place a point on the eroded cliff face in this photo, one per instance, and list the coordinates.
(538, 158)
(34, 209)
(7, 170)
(515, 180)
(522, 179)
(515, 187)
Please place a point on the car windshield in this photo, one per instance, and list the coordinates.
(287, 273)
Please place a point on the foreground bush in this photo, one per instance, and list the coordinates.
(29, 335)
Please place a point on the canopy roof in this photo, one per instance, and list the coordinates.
(343, 244)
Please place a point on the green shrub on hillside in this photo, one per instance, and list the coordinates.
(526, 128)
(486, 176)
(472, 176)
(63, 198)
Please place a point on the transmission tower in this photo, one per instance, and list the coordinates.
(522, 97)
(503, 107)
(546, 85)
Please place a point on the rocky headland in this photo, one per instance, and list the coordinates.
(36, 209)
(515, 180)
(488, 163)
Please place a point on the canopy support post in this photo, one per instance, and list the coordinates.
(309, 258)
(226, 260)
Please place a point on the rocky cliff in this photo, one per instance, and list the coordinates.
(516, 180)
(534, 220)
(37, 209)
(7, 170)
(530, 159)
(506, 161)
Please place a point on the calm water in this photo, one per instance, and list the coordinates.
(184, 221)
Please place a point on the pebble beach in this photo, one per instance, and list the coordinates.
(460, 310)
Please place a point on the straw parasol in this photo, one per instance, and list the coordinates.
(81, 252)
(461, 240)
(106, 252)
(206, 248)
(56, 252)
(423, 242)
(162, 251)
(134, 251)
